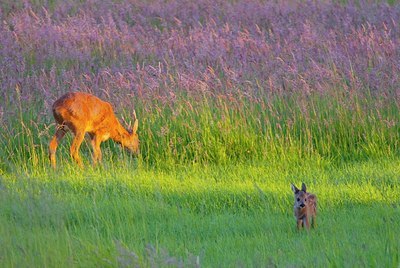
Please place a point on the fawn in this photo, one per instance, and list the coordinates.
(305, 207)
(84, 113)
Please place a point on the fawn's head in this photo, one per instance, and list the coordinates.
(300, 196)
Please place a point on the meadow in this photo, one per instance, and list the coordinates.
(235, 101)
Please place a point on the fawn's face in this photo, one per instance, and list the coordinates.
(300, 200)
(300, 196)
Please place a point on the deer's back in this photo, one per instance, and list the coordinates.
(82, 110)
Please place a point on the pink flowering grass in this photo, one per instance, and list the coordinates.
(255, 80)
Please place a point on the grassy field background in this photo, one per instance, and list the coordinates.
(236, 100)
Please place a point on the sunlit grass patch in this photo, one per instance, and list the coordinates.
(189, 216)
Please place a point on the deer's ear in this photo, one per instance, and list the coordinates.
(303, 187)
(135, 126)
(294, 188)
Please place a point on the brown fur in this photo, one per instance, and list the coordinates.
(84, 113)
(305, 207)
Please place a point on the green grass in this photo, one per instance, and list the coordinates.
(211, 187)
(217, 216)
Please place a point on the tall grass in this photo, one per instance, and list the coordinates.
(219, 130)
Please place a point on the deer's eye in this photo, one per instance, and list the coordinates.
(305, 199)
(298, 199)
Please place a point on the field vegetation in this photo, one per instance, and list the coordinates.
(236, 100)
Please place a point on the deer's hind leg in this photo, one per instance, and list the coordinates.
(60, 132)
(314, 221)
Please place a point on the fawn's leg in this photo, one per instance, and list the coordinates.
(299, 224)
(314, 221)
(76, 143)
(96, 149)
(307, 222)
(60, 132)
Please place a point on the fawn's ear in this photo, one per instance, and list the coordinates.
(294, 188)
(303, 187)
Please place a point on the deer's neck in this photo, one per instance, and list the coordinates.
(118, 133)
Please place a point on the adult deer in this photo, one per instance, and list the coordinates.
(84, 113)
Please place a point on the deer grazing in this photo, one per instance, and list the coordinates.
(85, 113)
(305, 207)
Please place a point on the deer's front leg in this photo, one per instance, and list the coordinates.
(96, 141)
(76, 144)
(299, 224)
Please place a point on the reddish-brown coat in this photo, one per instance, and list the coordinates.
(305, 207)
(85, 113)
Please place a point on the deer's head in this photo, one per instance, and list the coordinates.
(300, 196)
(130, 141)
